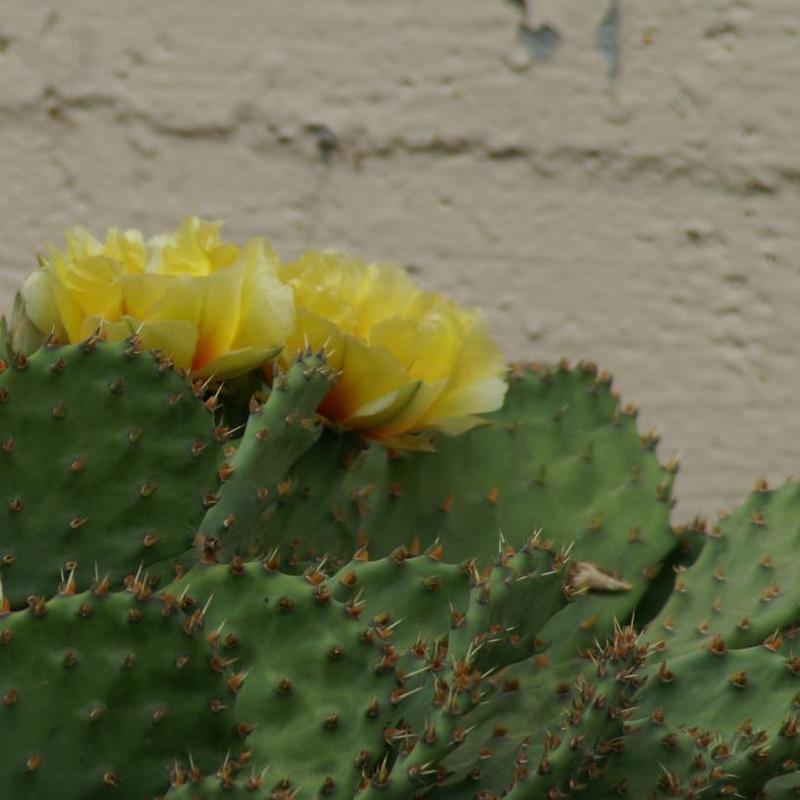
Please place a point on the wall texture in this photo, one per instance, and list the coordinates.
(618, 181)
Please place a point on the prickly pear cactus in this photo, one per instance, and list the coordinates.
(283, 612)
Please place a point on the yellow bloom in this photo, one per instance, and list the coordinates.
(214, 308)
(410, 360)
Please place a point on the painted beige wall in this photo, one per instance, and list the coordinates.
(649, 222)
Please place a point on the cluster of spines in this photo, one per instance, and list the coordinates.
(593, 726)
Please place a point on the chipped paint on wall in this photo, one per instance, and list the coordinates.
(607, 37)
(542, 37)
(541, 42)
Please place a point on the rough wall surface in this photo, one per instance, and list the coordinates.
(619, 182)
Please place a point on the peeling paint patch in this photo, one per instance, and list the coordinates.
(606, 38)
(327, 143)
(540, 42)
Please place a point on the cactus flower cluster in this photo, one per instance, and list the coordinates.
(359, 593)
(410, 361)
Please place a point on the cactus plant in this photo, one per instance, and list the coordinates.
(207, 598)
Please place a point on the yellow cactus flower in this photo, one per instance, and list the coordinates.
(214, 308)
(410, 361)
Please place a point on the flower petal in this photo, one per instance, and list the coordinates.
(479, 398)
(177, 338)
(370, 378)
(195, 249)
(266, 313)
(409, 417)
(318, 334)
(237, 362)
(211, 303)
(208, 304)
(141, 291)
(40, 303)
(114, 331)
(412, 360)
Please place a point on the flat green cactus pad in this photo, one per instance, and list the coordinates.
(105, 457)
(562, 456)
(105, 695)
(742, 590)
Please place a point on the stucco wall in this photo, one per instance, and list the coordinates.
(647, 220)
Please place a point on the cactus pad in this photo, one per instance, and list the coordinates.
(742, 588)
(256, 469)
(105, 456)
(104, 695)
(562, 456)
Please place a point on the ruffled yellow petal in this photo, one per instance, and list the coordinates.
(218, 320)
(209, 305)
(176, 338)
(329, 272)
(184, 298)
(428, 347)
(477, 384)
(387, 409)
(370, 383)
(141, 291)
(237, 362)
(266, 315)
(81, 244)
(92, 283)
(409, 417)
(384, 293)
(22, 334)
(112, 331)
(318, 334)
(413, 361)
(70, 314)
(427, 352)
(194, 249)
(409, 360)
(327, 285)
(128, 248)
(481, 398)
(40, 303)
